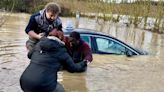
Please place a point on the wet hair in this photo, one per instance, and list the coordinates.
(58, 34)
(75, 35)
(53, 7)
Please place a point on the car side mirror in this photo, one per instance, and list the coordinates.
(129, 53)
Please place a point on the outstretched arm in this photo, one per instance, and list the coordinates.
(68, 63)
(87, 53)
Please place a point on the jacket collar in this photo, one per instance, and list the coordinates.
(43, 15)
(56, 39)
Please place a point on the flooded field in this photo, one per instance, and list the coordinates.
(107, 73)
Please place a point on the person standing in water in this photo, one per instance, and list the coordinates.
(47, 57)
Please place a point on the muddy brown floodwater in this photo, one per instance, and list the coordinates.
(107, 73)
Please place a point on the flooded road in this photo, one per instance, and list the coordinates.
(107, 73)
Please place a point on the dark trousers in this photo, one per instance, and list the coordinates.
(30, 43)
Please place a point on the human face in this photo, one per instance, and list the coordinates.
(73, 42)
(50, 16)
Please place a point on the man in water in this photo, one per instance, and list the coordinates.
(77, 48)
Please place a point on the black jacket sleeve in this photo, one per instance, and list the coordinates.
(69, 65)
(32, 25)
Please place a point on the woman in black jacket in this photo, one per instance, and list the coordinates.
(46, 59)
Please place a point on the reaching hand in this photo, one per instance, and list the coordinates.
(41, 35)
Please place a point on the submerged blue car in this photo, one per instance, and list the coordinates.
(104, 44)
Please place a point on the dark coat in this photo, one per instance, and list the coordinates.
(46, 59)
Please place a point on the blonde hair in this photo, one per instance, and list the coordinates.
(53, 7)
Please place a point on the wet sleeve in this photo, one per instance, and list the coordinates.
(87, 53)
(31, 25)
(71, 66)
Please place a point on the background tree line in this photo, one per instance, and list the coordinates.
(138, 11)
(94, 6)
(27, 6)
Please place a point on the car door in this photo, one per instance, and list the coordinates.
(107, 45)
(89, 40)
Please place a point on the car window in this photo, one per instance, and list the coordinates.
(109, 46)
(86, 39)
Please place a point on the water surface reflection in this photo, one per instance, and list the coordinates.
(107, 73)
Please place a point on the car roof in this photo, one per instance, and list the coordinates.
(86, 31)
(90, 32)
